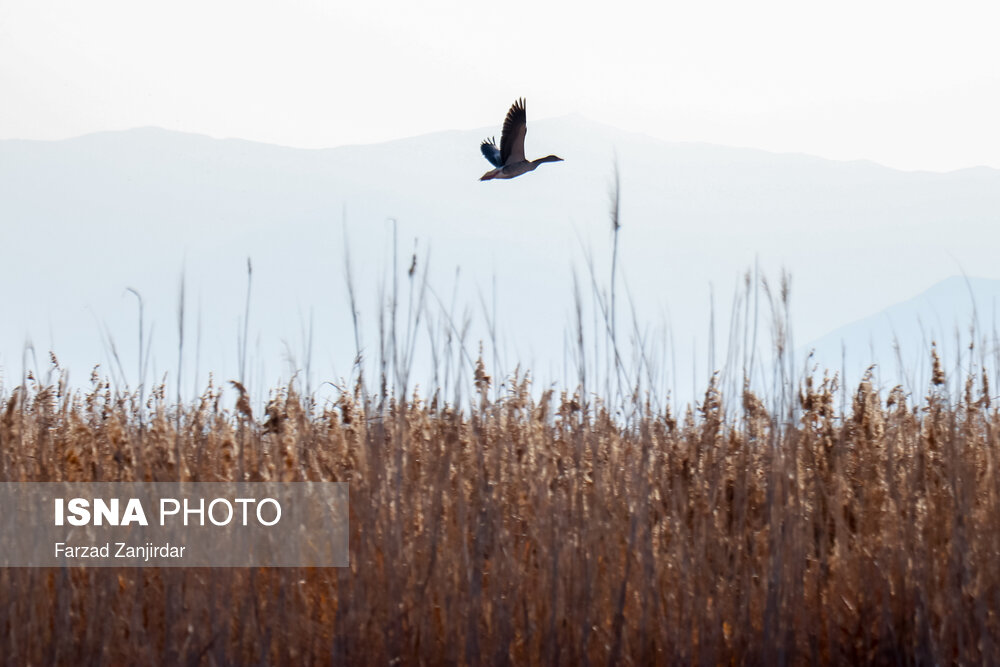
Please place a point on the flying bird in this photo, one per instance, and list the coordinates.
(509, 159)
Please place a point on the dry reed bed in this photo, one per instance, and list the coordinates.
(543, 531)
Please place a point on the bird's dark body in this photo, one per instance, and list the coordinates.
(509, 158)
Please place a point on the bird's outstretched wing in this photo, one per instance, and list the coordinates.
(515, 126)
(491, 152)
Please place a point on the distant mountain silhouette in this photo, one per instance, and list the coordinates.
(85, 218)
(950, 315)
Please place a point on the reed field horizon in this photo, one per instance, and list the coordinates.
(780, 518)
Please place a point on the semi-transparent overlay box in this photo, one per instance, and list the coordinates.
(174, 524)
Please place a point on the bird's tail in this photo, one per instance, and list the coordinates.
(489, 175)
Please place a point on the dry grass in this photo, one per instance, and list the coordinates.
(541, 531)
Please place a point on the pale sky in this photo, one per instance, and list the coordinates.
(908, 84)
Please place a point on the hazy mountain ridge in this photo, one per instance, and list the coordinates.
(951, 315)
(87, 217)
